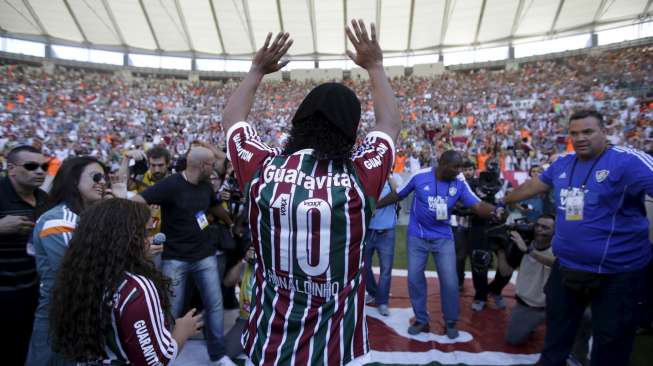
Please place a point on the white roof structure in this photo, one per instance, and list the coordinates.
(236, 28)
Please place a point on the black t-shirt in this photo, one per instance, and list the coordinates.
(18, 268)
(182, 205)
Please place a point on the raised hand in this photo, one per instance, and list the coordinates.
(267, 57)
(368, 52)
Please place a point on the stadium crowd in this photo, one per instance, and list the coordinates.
(516, 115)
(103, 129)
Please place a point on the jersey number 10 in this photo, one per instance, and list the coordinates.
(313, 232)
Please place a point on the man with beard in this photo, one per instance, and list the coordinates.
(185, 199)
(19, 286)
(157, 161)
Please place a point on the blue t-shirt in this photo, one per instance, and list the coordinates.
(423, 222)
(386, 217)
(612, 237)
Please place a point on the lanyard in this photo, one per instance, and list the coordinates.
(436, 190)
(573, 168)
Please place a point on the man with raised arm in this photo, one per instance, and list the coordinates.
(600, 242)
(309, 208)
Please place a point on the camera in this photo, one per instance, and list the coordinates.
(488, 185)
(231, 186)
(139, 168)
(501, 235)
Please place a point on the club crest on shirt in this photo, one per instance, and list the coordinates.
(452, 191)
(601, 175)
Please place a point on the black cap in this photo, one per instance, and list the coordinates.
(336, 103)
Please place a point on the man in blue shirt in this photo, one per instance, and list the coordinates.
(601, 242)
(429, 231)
(381, 237)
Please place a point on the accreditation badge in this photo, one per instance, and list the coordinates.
(574, 205)
(202, 221)
(441, 210)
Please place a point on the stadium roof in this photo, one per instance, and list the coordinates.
(236, 28)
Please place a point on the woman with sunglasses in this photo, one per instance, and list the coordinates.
(110, 305)
(79, 183)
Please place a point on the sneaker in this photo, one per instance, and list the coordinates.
(224, 361)
(499, 301)
(452, 331)
(383, 310)
(369, 299)
(417, 328)
(478, 305)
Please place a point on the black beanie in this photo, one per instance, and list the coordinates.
(336, 103)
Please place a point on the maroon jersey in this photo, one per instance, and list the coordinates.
(308, 219)
(139, 333)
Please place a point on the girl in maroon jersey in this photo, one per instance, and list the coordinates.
(109, 303)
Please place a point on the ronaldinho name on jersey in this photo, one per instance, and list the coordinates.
(324, 290)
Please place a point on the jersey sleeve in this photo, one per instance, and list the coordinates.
(467, 196)
(639, 176)
(141, 326)
(247, 152)
(373, 161)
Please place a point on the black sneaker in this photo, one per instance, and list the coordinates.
(418, 328)
(451, 330)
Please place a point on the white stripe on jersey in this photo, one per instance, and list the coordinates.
(259, 300)
(172, 346)
(364, 230)
(269, 331)
(285, 235)
(285, 328)
(642, 156)
(126, 300)
(153, 317)
(116, 337)
(303, 326)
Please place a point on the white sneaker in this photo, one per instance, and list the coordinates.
(224, 361)
(369, 299)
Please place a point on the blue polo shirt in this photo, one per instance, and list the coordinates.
(423, 222)
(612, 237)
(386, 218)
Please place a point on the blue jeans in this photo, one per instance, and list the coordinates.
(40, 350)
(384, 243)
(444, 253)
(206, 276)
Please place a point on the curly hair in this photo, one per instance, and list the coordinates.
(316, 133)
(108, 241)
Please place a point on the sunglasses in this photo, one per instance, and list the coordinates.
(98, 177)
(31, 166)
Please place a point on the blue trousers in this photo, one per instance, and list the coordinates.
(444, 253)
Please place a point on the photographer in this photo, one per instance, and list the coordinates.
(462, 232)
(230, 229)
(534, 269)
(142, 170)
(487, 186)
